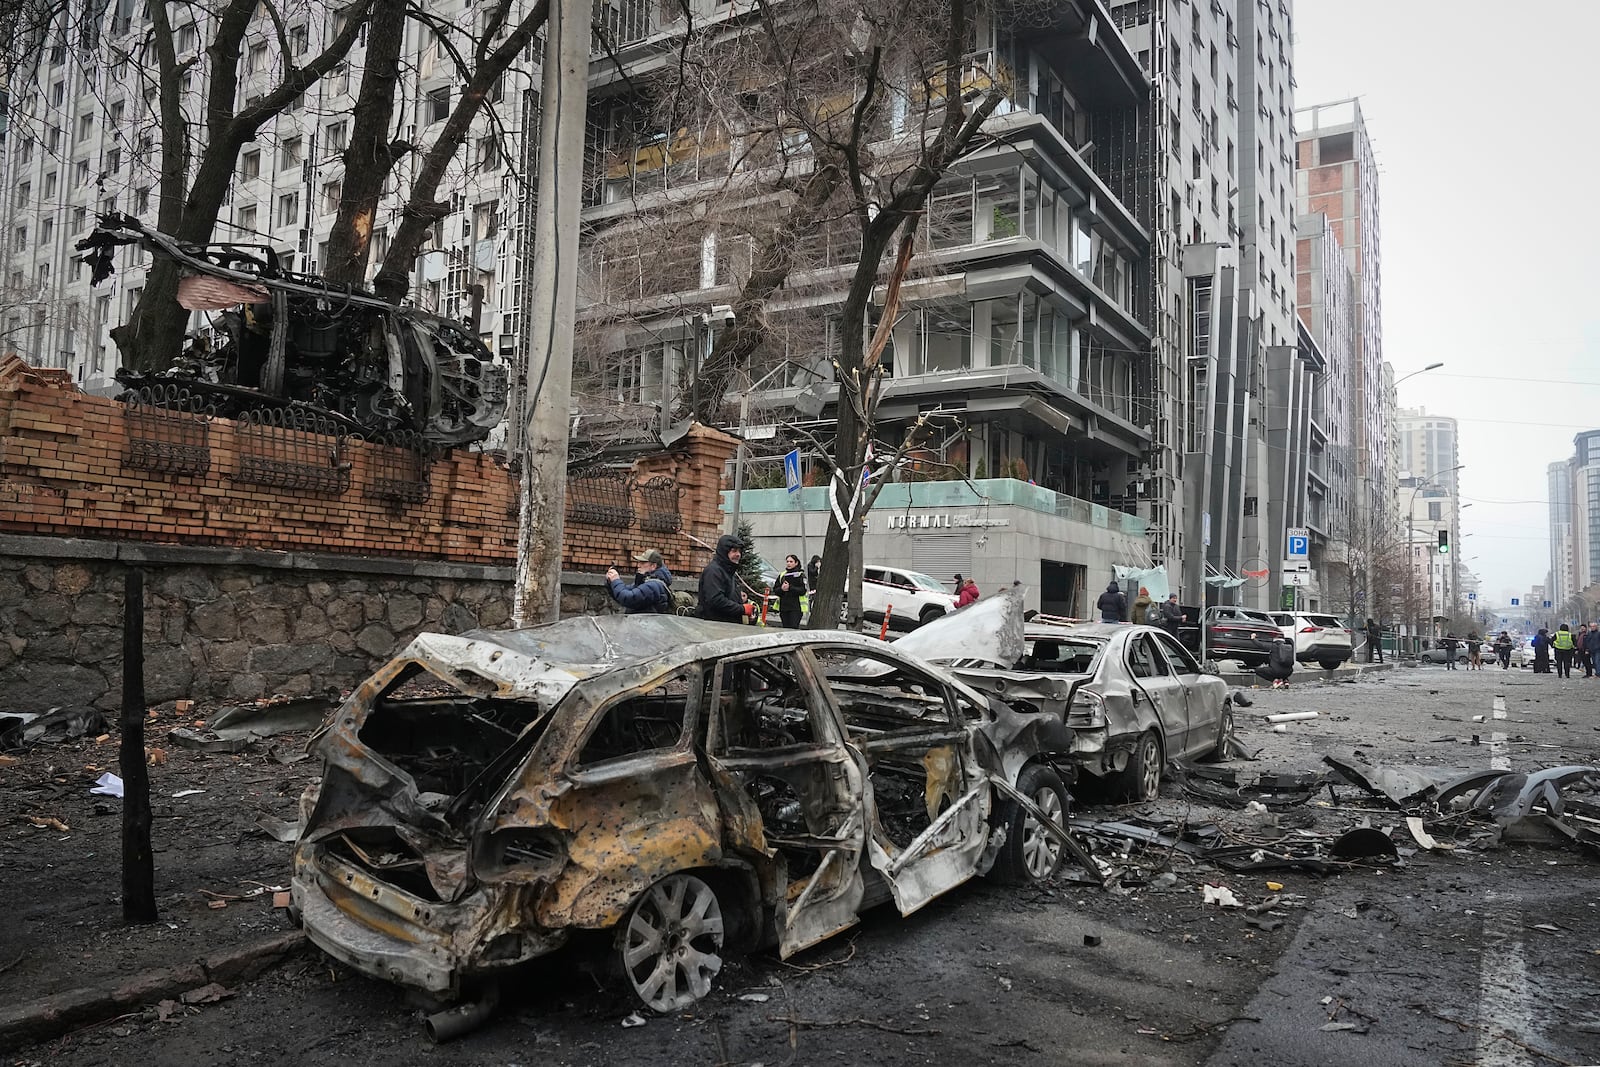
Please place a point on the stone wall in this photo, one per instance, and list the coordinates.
(225, 625)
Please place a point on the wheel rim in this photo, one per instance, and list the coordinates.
(1150, 768)
(673, 945)
(1227, 730)
(1041, 851)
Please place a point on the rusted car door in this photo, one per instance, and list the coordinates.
(789, 787)
(928, 800)
(1153, 678)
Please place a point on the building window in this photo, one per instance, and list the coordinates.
(337, 137)
(289, 209)
(141, 200)
(290, 153)
(250, 165)
(437, 108)
(47, 230)
(80, 219)
(331, 195)
(299, 40)
(247, 219)
(256, 58)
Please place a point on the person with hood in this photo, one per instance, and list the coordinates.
(1564, 644)
(1590, 638)
(1280, 661)
(720, 598)
(1141, 607)
(1474, 651)
(1502, 649)
(967, 593)
(1113, 604)
(651, 591)
(1541, 651)
(791, 587)
(1374, 640)
(1450, 644)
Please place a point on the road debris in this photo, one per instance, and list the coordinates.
(236, 728)
(1220, 895)
(107, 785)
(49, 822)
(278, 829)
(19, 729)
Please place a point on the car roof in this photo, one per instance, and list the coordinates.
(1097, 631)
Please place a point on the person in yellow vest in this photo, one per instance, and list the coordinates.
(1563, 644)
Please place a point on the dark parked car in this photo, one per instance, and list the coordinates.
(1133, 696)
(690, 788)
(1232, 632)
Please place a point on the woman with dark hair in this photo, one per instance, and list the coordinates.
(791, 586)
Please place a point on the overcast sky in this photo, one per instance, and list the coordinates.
(1483, 119)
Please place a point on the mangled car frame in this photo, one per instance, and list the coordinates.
(290, 340)
(671, 789)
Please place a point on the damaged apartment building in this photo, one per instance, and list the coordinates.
(1023, 320)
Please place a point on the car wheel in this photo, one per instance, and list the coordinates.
(670, 945)
(1224, 732)
(1329, 664)
(1031, 853)
(929, 614)
(1141, 779)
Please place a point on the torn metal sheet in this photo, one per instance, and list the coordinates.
(989, 630)
(234, 729)
(1401, 786)
(57, 724)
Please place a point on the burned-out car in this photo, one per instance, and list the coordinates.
(1133, 696)
(681, 788)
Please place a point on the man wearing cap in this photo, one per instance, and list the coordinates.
(651, 591)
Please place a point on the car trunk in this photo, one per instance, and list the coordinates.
(404, 783)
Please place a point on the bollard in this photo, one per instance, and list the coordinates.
(883, 631)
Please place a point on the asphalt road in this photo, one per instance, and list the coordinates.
(1436, 962)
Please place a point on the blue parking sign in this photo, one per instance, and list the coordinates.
(1515, 602)
(791, 470)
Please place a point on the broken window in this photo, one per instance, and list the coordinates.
(1143, 660)
(639, 723)
(1061, 656)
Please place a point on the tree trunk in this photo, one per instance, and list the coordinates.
(138, 861)
(421, 209)
(370, 156)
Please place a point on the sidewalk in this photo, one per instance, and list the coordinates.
(1347, 672)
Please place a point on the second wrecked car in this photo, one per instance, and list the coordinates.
(677, 789)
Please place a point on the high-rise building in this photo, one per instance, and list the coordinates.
(1430, 487)
(1562, 581)
(1337, 177)
(83, 140)
(1325, 303)
(1222, 218)
(1583, 495)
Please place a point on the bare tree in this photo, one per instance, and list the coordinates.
(198, 158)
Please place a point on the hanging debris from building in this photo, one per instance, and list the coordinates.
(289, 340)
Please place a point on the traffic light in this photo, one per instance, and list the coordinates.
(1444, 542)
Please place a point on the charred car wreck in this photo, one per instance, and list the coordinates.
(290, 340)
(672, 789)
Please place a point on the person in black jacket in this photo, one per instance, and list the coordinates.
(1172, 616)
(814, 573)
(720, 599)
(1113, 604)
(1280, 661)
(791, 587)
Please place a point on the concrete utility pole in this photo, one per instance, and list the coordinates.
(554, 284)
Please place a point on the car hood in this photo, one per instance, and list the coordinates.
(989, 630)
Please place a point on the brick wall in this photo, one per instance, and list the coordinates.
(65, 471)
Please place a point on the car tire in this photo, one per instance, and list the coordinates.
(929, 614)
(1224, 733)
(1030, 854)
(1141, 779)
(1330, 664)
(670, 944)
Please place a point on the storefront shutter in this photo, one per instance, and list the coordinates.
(943, 555)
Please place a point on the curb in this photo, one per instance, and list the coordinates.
(1313, 675)
(47, 1017)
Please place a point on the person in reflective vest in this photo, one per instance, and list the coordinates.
(1563, 644)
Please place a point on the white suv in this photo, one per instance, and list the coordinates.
(910, 598)
(1322, 638)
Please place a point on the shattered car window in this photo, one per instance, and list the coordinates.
(642, 722)
(1053, 655)
(761, 704)
(878, 689)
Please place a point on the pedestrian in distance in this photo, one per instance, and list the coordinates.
(1541, 651)
(1113, 604)
(1502, 650)
(1450, 644)
(813, 573)
(791, 587)
(1564, 644)
(651, 591)
(966, 593)
(1141, 607)
(720, 598)
(1591, 648)
(1172, 615)
(1374, 640)
(1474, 651)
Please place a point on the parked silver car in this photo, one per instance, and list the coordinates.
(1133, 696)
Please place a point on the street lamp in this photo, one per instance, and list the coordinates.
(1413, 374)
